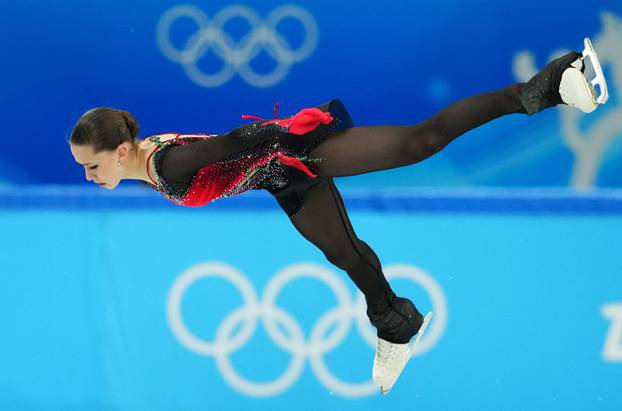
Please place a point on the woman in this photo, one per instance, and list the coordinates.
(295, 159)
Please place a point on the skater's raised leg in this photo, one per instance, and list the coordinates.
(361, 150)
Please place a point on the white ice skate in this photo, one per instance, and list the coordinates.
(391, 359)
(577, 90)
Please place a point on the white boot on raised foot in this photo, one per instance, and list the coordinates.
(577, 90)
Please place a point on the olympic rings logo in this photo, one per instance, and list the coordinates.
(338, 319)
(237, 57)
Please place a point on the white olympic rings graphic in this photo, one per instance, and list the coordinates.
(236, 58)
(245, 319)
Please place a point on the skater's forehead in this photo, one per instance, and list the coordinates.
(83, 155)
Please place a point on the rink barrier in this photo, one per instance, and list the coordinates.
(480, 200)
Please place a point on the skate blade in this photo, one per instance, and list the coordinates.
(384, 389)
(589, 55)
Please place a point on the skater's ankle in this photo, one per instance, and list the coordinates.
(542, 90)
(382, 304)
(513, 94)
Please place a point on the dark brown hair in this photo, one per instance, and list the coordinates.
(105, 129)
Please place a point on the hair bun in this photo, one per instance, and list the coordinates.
(131, 123)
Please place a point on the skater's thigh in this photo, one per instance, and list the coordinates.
(361, 150)
(323, 221)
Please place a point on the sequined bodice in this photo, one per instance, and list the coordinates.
(172, 190)
(240, 172)
(256, 156)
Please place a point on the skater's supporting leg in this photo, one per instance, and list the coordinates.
(323, 221)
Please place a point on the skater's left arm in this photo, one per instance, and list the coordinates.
(181, 162)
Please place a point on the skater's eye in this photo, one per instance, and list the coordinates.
(93, 168)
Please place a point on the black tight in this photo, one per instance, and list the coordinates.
(323, 219)
(360, 150)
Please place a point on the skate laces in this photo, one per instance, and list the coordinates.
(387, 353)
(384, 350)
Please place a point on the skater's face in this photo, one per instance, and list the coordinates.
(102, 168)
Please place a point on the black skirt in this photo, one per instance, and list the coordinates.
(291, 197)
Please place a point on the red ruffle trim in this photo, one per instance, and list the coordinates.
(305, 121)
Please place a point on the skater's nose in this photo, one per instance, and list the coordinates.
(88, 174)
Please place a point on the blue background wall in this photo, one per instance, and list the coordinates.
(391, 63)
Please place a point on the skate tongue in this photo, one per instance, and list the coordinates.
(594, 73)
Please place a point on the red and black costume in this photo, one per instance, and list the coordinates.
(295, 159)
(195, 169)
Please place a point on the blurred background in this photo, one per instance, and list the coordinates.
(118, 300)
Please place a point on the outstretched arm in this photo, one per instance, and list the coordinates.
(181, 162)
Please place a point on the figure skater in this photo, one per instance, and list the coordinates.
(296, 158)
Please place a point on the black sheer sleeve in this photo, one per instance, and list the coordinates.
(181, 162)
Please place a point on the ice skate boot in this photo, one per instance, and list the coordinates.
(563, 81)
(396, 327)
(577, 90)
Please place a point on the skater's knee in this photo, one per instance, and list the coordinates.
(426, 139)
